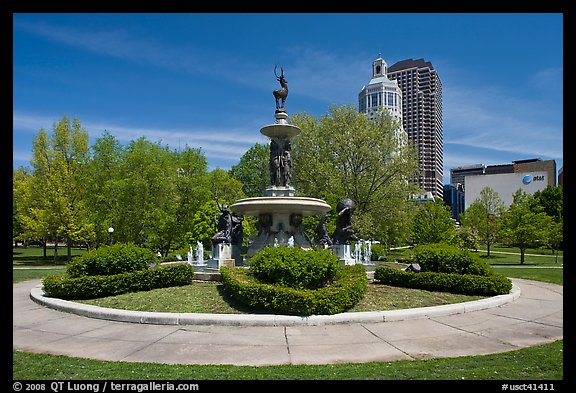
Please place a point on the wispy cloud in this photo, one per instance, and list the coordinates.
(223, 146)
(486, 118)
(120, 44)
(322, 75)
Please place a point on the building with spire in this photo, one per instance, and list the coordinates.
(380, 92)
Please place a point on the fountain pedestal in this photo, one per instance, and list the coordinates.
(221, 256)
(344, 253)
(280, 212)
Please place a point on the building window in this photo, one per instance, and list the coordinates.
(374, 100)
(391, 99)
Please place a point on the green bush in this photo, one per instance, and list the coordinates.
(110, 260)
(349, 286)
(294, 267)
(445, 258)
(468, 284)
(378, 252)
(88, 287)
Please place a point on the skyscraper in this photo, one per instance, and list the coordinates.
(422, 118)
(380, 92)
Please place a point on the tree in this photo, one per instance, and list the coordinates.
(57, 188)
(556, 236)
(102, 187)
(22, 203)
(483, 215)
(522, 226)
(432, 223)
(346, 154)
(252, 170)
(191, 190)
(552, 201)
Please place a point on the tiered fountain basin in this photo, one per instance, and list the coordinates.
(280, 205)
(280, 218)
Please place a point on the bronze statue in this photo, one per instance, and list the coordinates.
(323, 239)
(237, 235)
(280, 94)
(223, 224)
(344, 232)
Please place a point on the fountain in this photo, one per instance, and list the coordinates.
(196, 258)
(279, 211)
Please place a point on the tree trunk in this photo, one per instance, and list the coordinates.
(69, 244)
(56, 250)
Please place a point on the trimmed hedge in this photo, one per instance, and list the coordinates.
(468, 284)
(110, 260)
(445, 258)
(88, 287)
(347, 289)
(294, 267)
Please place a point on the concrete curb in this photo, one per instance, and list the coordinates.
(168, 318)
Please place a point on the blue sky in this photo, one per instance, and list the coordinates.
(206, 80)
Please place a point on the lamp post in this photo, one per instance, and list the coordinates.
(110, 231)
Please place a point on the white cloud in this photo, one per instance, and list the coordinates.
(120, 44)
(486, 118)
(222, 146)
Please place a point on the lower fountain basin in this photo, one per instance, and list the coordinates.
(286, 205)
(279, 219)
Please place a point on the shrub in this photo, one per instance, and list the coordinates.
(88, 287)
(468, 284)
(445, 258)
(294, 267)
(378, 252)
(109, 260)
(349, 286)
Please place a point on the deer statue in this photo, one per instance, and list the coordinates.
(282, 93)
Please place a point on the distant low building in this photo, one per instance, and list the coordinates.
(454, 197)
(534, 174)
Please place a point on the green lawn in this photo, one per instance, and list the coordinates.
(538, 363)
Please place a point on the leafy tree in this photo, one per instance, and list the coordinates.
(203, 225)
(145, 188)
(58, 163)
(522, 226)
(432, 223)
(552, 201)
(483, 215)
(222, 185)
(556, 236)
(345, 154)
(190, 190)
(469, 237)
(23, 223)
(102, 187)
(252, 170)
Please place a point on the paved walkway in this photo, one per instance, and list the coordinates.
(531, 315)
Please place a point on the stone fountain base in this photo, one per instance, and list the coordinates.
(280, 219)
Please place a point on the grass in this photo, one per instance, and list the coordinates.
(209, 297)
(538, 363)
(542, 362)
